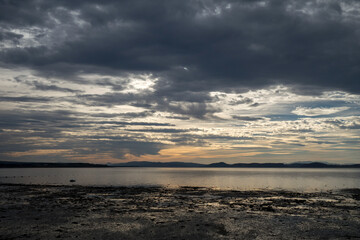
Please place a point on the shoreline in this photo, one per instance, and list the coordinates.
(93, 212)
(175, 187)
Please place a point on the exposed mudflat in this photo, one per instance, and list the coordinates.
(78, 212)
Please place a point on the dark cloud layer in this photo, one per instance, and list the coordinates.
(24, 99)
(40, 130)
(247, 118)
(194, 104)
(191, 45)
(46, 87)
(134, 77)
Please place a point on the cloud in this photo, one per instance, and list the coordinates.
(178, 117)
(196, 110)
(241, 101)
(116, 148)
(247, 118)
(311, 112)
(45, 87)
(197, 45)
(37, 131)
(9, 38)
(43, 121)
(159, 130)
(24, 99)
(42, 86)
(126, 115)
(112, 79)
(130, 123)
(345, 124)
(180, 103)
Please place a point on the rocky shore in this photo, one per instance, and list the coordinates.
(79, 212)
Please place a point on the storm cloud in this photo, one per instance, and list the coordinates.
(192, 45)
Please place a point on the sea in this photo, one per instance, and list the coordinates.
(292, 179)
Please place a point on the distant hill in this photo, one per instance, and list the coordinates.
(157, 164)
(284, 165)
(8, 164)
(219, 164)
(236, 165)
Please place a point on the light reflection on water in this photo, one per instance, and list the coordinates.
(223, 178)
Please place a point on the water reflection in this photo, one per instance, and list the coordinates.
(224, 178)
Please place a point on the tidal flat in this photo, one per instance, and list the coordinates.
(83, 212)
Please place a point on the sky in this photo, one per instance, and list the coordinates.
(194, 81)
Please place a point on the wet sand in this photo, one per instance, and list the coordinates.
(78, 212)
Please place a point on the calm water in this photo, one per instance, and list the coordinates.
(224, 178)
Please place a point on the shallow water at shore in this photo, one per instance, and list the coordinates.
(79, 212)
(222, 178)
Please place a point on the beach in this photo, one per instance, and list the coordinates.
(84, 212)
